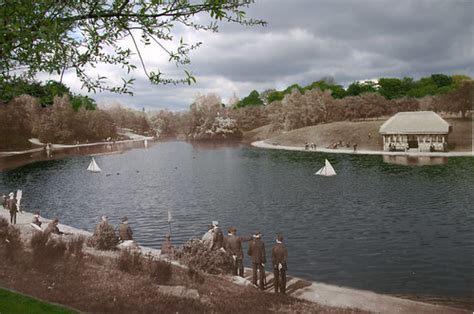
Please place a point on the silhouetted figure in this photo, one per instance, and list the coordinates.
(279, 262)
(257, 252)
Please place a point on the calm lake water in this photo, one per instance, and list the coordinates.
(375, 226)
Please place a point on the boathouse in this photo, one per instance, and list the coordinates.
(422, 131)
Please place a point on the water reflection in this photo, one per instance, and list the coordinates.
(415, 160)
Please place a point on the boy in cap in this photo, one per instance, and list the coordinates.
(125, 232)
(257, 252)
(279, 260)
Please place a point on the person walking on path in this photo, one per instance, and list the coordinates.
(11, 204)
(233, 246)
(279, 262)
(257, 252)
(218, 236)
(125, 232)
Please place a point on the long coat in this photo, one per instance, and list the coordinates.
(11, 205)
(257, 251)
(233, 245)
(279, 254)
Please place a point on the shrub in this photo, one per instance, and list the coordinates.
(130, 261)
(104, 237)
(197, 256)
(159, 270)
(47, 249)
(75, 245)
(10, 241)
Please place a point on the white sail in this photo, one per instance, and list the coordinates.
(93, 166)
(327, 170)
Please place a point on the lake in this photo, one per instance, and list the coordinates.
(375, 226)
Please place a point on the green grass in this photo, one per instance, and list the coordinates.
(11, 302)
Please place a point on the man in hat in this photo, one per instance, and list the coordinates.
(12, 206)
(218, 236)
(208, 237)
(233, 246)
(125, 232)
(53, 227)
(36, 219)
(257, 252)
(279, 260)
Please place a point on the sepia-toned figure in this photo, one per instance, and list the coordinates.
(233, 246)
(279, 262)
(52, 227)
(12, 207)
(257, 252)
(218, 236)
(125, 232)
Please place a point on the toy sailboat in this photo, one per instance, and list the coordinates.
(327, 170)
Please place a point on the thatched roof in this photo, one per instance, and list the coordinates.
(415, 122)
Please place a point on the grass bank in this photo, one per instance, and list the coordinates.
(17, 303)
(363, 133)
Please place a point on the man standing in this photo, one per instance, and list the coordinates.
(11, 205)
(125, 232)
(233, 246)
(279, 260)
(257, 252)
(218, 236)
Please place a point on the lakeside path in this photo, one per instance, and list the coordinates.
(265, 144)
(132, 138)
(322, 294)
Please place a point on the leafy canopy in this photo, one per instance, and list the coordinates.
(53, 36)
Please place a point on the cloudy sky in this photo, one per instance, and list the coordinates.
(306, 40)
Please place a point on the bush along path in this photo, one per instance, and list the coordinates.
(67, 271)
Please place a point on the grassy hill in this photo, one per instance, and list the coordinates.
(325, 135)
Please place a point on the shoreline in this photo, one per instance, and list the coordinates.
(265, 144)
(320, 293)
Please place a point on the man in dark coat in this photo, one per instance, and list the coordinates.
(11, 205)
(279, 262)
(125, 232)
(257, 252)
(233, 246)
(218, 236)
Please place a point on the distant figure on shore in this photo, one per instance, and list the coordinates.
(125, 232)
(233, 246)
(208, 237)
(53, 227)
(355, 147)
(166, 246)
(36, 219)
(12, 206)
(218, 236)
(279, 262)
(306, 145)
(257, 252)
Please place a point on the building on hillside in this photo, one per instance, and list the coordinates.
(422, 131)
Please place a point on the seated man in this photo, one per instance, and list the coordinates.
(36, 219)
(53, 227)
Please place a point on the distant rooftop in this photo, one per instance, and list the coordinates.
(415, 122)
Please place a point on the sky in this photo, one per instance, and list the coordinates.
(304, 41)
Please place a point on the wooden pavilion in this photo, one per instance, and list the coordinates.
(422, 131)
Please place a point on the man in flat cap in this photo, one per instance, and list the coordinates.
(125, 232)
(279, 262)
(257, 252)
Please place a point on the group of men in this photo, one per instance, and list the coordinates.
(232, 244)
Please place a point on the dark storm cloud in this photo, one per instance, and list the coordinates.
(307, 39)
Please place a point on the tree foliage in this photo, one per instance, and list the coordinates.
(53, 36)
